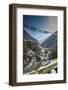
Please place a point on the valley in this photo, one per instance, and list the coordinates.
(38, 53)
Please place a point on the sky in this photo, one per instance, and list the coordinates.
(45, 23)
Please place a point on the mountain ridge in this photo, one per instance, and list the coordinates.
(51, 41)
(26, 36)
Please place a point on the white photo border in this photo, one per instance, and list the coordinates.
(19, 62)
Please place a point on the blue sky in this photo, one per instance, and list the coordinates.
(45, 23)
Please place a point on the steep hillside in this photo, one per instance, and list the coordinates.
(27, 37)
(51, 42)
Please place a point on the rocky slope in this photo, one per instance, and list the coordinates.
(34, 55)
(51, 41)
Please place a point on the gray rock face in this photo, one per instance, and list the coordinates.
(34, 57)
(51, 42)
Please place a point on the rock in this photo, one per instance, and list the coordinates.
(34, 56)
